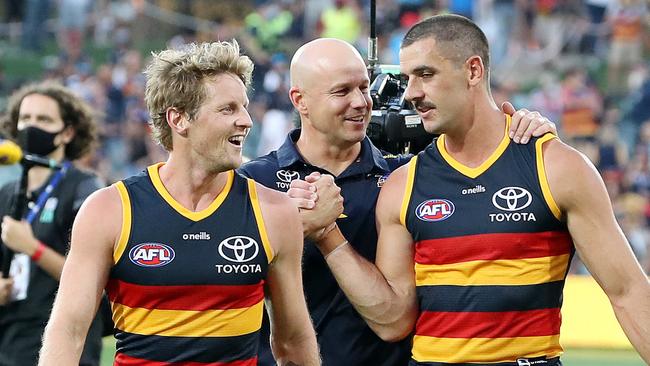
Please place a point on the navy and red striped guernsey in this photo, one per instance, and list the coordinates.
(187, 288)
(491, 256)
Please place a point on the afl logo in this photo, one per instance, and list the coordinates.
(151, 255)
(239, 249)
(512, 199)
(287, 175)
(435, 210)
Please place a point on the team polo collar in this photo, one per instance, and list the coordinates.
(369, 159)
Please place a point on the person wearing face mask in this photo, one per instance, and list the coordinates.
(45, 119)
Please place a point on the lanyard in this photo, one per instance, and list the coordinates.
(42, 198)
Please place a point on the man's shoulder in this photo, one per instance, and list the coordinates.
(261, 167)
(395, 161)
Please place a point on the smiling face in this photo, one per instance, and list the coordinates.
(333, 85)
(437, 86)
(217, 132)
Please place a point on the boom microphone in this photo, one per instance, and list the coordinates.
(10, 153)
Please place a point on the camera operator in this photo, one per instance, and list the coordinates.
(48, 121)
(330, 91)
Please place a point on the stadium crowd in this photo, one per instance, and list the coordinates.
(582, 63)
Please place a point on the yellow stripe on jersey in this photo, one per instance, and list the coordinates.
(541, 173)
(484, 350)
(410, 179)
(187, 323)
(527, 271)
(125, 231)
(252, 192)
(475, 172)
(194, 216)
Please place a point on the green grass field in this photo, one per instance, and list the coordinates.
(572, 357)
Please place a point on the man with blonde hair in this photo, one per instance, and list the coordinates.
(188, 250)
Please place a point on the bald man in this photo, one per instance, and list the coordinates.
(330, 91)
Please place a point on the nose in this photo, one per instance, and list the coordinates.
(244, 120)
(413, 90)
(360, 99)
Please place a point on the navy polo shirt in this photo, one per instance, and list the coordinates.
(343, 336)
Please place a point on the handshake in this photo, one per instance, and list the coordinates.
(319, 202)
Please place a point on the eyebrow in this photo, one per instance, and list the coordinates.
(423, 68)
(38, 116)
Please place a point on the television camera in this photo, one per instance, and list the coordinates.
(394, 125)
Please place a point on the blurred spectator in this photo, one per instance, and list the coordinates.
(268, 24)
(581, 104)
(627, 19)
(343, 21)
(36, 12)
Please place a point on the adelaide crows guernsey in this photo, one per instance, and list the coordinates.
(187, 287)
(491, 256)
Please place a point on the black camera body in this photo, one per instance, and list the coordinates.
(394, 126)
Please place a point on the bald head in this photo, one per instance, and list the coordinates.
(321, 58)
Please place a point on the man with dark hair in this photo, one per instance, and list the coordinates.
(47, 120)
(330, 92)
(476, 233)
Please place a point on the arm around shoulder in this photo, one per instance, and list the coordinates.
(94, 234)
(293, 340)
(580, 194)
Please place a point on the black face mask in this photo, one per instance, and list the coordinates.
(34, 140)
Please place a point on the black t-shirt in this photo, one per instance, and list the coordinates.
(52, 226)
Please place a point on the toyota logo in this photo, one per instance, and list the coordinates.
(512, 199)
(287, 175)
(239, 249)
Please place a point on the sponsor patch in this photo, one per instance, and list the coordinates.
(151, 255)
(238, 249)
(435, 210)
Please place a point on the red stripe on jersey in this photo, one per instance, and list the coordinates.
(507, 324)
(492, 246)
(123, 360)
(187, 297)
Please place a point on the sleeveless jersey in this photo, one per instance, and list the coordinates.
(187, 287)
(491, 256)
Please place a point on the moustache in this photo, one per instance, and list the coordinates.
(423, 105)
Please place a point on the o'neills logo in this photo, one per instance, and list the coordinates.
(197, 236)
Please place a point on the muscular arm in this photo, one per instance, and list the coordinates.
(599, 240)
(384, 294)
(293, 340)
(83, 279)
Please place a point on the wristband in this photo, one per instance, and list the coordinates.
(336, 249)
(38, 252)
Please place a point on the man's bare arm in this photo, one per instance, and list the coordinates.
(83, 279)
(293, 340)
(384, 294)
(599, 240)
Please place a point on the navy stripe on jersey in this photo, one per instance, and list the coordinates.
(194, 349)
(490, 298)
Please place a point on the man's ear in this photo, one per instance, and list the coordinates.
(475, 70)
(298, 100)
(177, 120)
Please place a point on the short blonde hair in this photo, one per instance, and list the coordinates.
(175, 78)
